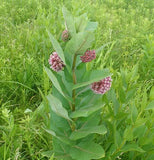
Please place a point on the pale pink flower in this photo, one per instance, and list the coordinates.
(55, 62)
(102, 86)
(88, 56)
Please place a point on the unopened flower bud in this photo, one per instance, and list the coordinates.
(65, 35)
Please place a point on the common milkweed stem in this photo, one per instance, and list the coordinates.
(74, 82)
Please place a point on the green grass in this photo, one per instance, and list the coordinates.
(128, 27)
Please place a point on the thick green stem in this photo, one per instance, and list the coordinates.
(74, 82)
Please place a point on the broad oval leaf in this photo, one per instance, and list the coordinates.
(150, 105)
(132, 147)
(83, 132)
(91, 26)
(81, 22)
(69, 20)
(57, 107)
(54, 80)
(94, 76)
(61, 150)
(87, 151)
(80, 43)
(56, 46)
(86, 111)
(62, 139)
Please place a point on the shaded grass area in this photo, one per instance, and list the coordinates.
(25, 47)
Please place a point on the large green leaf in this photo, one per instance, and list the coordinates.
(57, 107)
(91, 26)
(54, 80)
(86, 111)
(63, 157)
(150, 105)
(87, 151)
(58, 124)
(62, 139)
(57, 47)
(79, 43)
(61, 149)
(69, 20)
(132, 147)
(92, 120)
(83, 132)
(93, 76)
(81, 22)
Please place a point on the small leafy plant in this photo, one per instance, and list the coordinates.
(84, 124)
(76, 99)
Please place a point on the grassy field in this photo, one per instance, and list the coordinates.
(128, 27)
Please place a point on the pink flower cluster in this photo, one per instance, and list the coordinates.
(102, 86)
(55, 62)
(88, 56)
(65, 35)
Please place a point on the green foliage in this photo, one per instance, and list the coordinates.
(69, 21)
(131, 147)
(125, 32)
(56, 46)
(56, 106)
(76, 46)
(83, 132)
(150, 105)
(92, 76)
(54, 80)
(79, 43)
(126, 123)
(86, 111)
(87, 150)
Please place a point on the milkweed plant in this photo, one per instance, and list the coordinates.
(76, 101)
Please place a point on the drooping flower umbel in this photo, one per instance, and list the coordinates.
(88, 56)
(65, 35)
(55, 62)
(102, 86)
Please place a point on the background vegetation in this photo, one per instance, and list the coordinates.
(127, 26)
